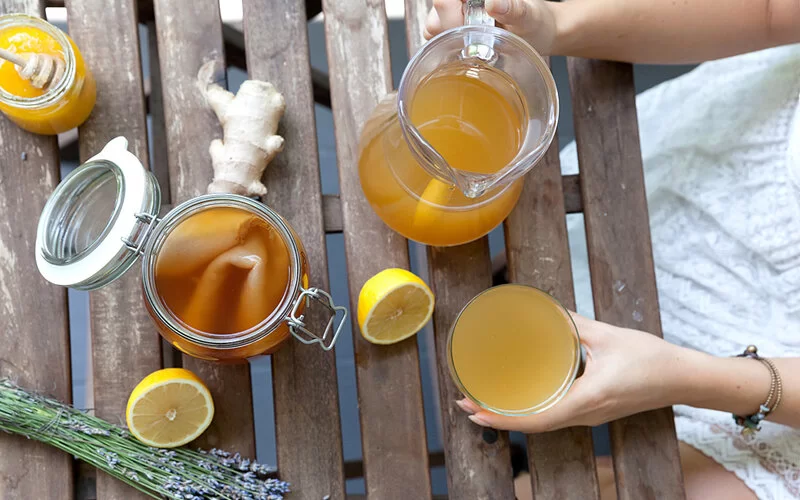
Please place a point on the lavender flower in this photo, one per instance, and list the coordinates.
(179, 474)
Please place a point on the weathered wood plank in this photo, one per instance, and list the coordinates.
(185, 42)
(645, 450)
(364, 497)
(125, 344)
(159, 163)
(475, 468)
(416, 13)
(159, 159)
(34, 330)
(354, 469)
(309, 436)
(571, 186)
(562, 462)
(332, 213)
(235, 56)
(85, 481)
(390, 394)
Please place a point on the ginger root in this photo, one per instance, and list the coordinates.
(249, 123)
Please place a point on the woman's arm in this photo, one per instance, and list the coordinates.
(739, 386)
(644, 31)
(668, 31)
(628, 371)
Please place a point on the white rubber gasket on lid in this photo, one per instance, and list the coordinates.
(84, 269)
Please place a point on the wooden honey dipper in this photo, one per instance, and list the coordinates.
(42, 70)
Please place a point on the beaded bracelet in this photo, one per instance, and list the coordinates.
(751, 423)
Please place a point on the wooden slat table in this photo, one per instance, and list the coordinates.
(30, 309)
(120, 110)
(396, 463)
(389, 387)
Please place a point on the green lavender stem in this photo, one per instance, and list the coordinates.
(179, 473)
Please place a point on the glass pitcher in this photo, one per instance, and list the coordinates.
(442, 159)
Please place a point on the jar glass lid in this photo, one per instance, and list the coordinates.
(89, 228)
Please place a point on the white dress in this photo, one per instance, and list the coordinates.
(721, 149)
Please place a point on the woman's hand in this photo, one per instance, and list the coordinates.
(533, 20)
(626, 372)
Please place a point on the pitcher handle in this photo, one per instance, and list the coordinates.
(479, 45)
(475, 14)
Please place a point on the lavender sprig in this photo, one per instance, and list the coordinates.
(179, 473)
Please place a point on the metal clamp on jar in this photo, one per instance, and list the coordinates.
(103, 216)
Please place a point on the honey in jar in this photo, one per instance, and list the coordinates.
(224, 277)
(65, 104)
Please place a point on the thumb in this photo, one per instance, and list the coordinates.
(510, 12)
(529, 424)
(488, 419)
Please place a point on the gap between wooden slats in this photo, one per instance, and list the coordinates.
(125, 345)
(389, 387)
(644, 446)
(308, 434)
(562, 462)
(186, 40)
(34, 331)
(475, 469)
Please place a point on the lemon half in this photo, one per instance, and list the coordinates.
(393, 305)
(169, 408)
(429, 210)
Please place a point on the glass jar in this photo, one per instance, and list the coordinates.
(103, 216)
(514, 350)
(66, 104)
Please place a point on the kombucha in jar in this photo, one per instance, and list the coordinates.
(224, 277)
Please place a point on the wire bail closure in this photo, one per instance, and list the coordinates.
(151, 221)
(298, 327)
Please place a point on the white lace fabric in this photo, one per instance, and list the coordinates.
(766, 461)
(721, 150)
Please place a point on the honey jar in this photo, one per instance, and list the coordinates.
(61, 107)
(224, 277)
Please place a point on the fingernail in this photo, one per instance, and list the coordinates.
(479, 421)
(463, 405)
(497, 6)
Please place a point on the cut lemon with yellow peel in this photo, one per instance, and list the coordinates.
(435, 195)
(393, 305)
(169, 408)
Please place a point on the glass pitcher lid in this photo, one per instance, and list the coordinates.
(88, 231)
